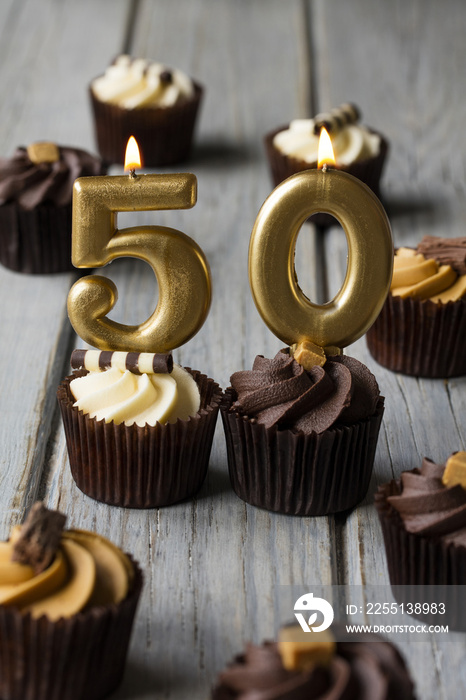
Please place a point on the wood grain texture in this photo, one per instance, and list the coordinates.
(43, 78)
(401, 78)
(215, 567)
(403, 63)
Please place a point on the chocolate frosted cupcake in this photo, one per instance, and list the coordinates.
(36, 186)
(67, 605)
(302, 441)
(302, 429)
(423, 517)
(155, 104)
(296, 668)
(358, 150)
(139, 429)
(421, 330)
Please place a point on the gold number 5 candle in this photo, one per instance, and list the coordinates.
(179, 264)
(280, 301)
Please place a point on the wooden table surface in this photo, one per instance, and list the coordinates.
(212, 566)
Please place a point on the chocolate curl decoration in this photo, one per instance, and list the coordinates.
(39, 538)
(446, 251)
(337, 118)
(135, 362)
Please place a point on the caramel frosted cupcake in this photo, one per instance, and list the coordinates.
(155, 104)
(139, 429)
(36, 186)
(361, 666)
(423, 517)
(358, 150)
(67, 605)
(302, 441)
(421, 330)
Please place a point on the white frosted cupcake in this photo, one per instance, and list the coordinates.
(358, 150)
(155, 104)
(139, 429)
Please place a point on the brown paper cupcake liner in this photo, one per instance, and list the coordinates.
(77, 658)
(416, 559)
(140, 467)
(422, 569)
(283, 166)
(36, 241)
(164, 134)
(298, 474)
(420, 338)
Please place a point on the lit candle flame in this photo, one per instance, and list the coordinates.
(132, 157)
(325, 154)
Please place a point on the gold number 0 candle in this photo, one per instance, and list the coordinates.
(289, 314)
(179, 264)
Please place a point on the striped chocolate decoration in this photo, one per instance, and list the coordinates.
(135, 362)
(337, 118)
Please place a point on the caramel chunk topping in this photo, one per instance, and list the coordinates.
(309, 355)
(301, 651)
(331, 350)
(43, 152)
(455, 470)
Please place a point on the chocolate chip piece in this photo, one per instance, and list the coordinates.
(39, 538)
(166, 77)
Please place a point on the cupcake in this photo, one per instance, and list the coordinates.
(67, 605)
(302, 441)
(421, 329)
(36, 187)
(302, 428)
(138, 428)
(423, 517)
(155, 104)
(317, 667)
(358, 150)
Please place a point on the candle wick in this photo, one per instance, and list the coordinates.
(132, 173)
(324, 167)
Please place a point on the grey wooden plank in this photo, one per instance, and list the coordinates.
(402, 66)
(403, 63)
(49, 52)
(42, 77)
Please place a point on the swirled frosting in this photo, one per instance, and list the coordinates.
(87, 570)
(30, 184)
(135, 83)
(367, 667)
(124, 397)
(351, 143)
(425, 277)
(428, 507)
(281, 392)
